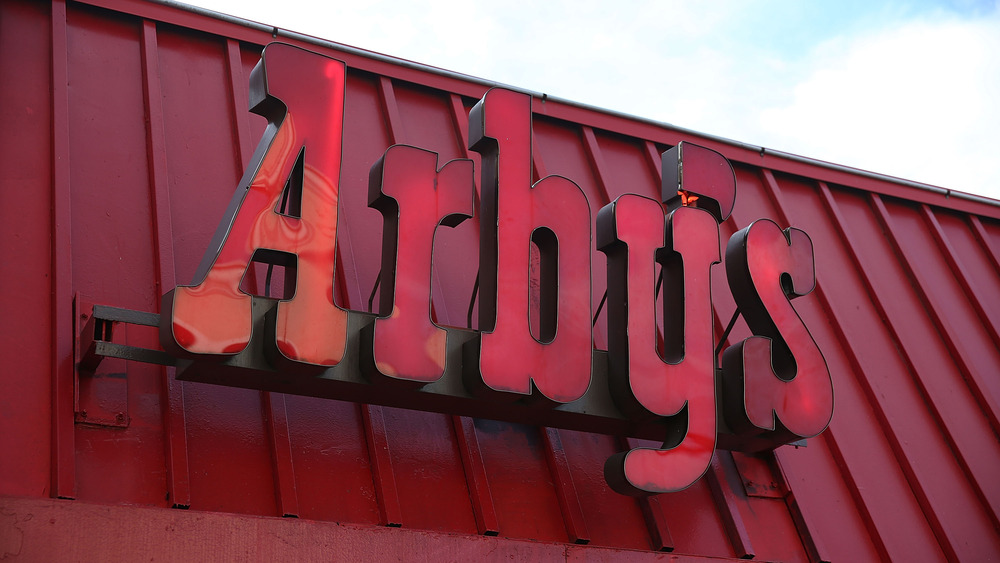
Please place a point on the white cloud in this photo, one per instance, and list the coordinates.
(918, 101)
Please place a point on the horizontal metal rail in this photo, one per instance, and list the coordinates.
(96, 338)
(352, 380)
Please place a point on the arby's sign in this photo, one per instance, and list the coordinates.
(773, 387)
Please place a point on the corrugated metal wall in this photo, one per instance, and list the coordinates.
(124, 133)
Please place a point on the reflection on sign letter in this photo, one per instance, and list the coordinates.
(284, 212)
(555, 215)
(631, 232)
(700, 177)
(414, 197)
(776, 384)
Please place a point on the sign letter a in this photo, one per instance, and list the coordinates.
(284, 212)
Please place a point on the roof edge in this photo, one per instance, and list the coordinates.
(277, 32)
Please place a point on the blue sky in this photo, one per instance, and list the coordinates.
(904, 88)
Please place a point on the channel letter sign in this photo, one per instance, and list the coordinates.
(772, 388)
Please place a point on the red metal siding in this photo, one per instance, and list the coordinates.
(26, 234)
(124, 133)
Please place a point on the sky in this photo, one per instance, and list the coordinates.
(904, 88)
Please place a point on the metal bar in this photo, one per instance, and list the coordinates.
(562, 479)
(89, 359)
(63, 392)
(383, 476)
(394, 123)
(802, 515)
(174, 423)
(439, 302)
(276, 415)
(371, 297)
(726, 500)
(537, 164)
(133, 353)
(118, 314)
(653, 159)
(105, 408)
(596, 160)
(757, 474)
(241, 103)
(857, 490)
(475, 474)
(984, 240)
(960, 272)
(460, 119)
(725, 335)
(600, 307)
(652, 513)
(472, 302)
(347, 269)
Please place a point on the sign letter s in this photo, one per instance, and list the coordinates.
(776, 384)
